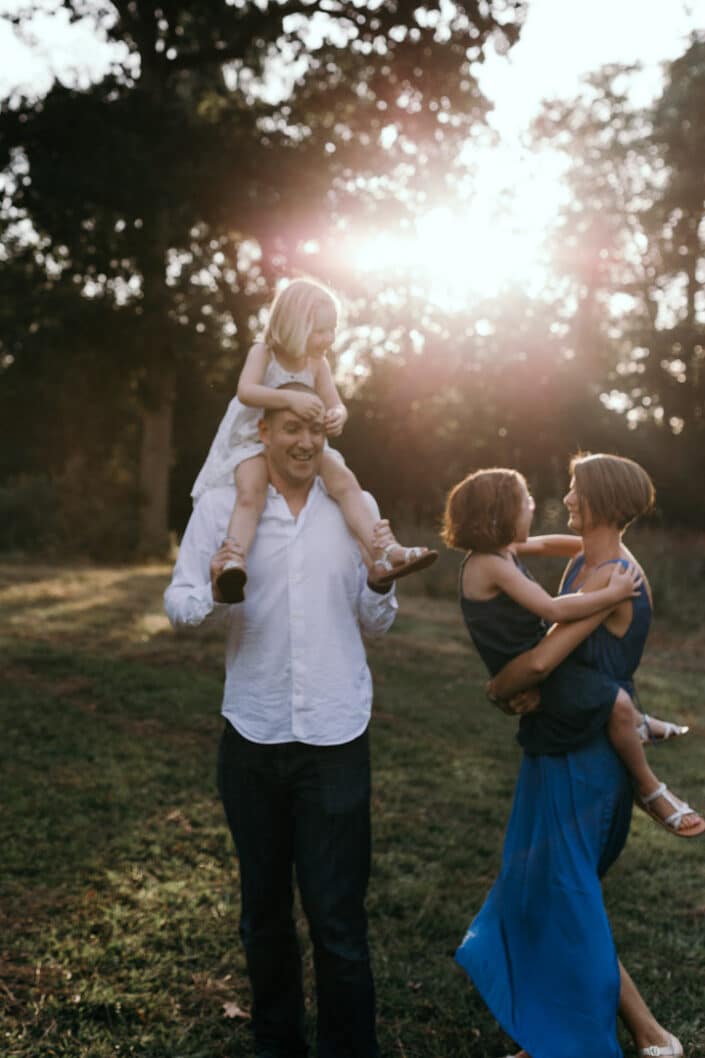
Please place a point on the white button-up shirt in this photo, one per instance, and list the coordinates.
(295, 665)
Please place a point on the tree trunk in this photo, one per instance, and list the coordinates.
(155, 464)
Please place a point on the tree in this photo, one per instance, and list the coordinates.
(675, 367)
(632, 255)
(174, 192)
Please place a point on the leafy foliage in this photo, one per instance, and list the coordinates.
(149, 190)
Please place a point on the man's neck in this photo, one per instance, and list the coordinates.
(295, 495)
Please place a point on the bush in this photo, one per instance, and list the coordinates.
(27, 513)
(92, 515)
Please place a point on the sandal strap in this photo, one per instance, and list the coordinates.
(681, 809)
(663, 1052)
(660, 791)
(676, 818)
(644, 728)
(410, 553)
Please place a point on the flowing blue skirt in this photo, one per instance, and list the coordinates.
(540, 951)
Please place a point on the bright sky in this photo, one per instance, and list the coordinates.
(561, 41)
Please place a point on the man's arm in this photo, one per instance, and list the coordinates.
(376, 607)
(189, 599)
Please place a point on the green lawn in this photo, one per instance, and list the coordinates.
(118, 899)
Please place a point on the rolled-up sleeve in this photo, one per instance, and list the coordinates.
(189, 598)
(376, 611)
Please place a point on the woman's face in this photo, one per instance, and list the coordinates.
(526, 513)
(572, 503)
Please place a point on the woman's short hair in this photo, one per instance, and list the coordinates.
(482, 510)
(615, 490)
(291, 316)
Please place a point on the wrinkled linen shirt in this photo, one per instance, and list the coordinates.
(295, 664)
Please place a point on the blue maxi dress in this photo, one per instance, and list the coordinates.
(540, 951)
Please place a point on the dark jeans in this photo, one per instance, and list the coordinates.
(308, 807)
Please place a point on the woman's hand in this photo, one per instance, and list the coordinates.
(335, 420)
(520, 703)
(306, 405)
(625, 582)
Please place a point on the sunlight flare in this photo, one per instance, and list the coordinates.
(497, 239)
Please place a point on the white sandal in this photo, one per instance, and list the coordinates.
(672, 822)
(232, 578)
(671, 731)
(415, 559)
(673, 1048)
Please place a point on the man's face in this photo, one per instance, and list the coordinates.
(293, 446)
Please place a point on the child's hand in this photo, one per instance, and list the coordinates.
(306, 405)
(335, 420)
(625, 583)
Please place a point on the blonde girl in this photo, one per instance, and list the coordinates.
(300, 330)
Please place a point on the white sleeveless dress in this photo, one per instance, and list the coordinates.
(237, 438)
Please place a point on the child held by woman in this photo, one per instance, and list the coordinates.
(506, 612)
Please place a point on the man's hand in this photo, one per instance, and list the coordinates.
(335, 420)
(306, 405)
(228, 551)
(374, 573)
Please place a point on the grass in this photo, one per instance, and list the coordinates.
(118, 898)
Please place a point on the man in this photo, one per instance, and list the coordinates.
(294, 772)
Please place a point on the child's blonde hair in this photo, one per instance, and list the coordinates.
(482, 510)
(291, 315)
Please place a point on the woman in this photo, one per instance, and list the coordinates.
(540, 951)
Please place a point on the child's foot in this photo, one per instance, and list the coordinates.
(652, 730)
(671, 813)
(668, 1047)
(231, 583)
(397, 561)
(232, 578)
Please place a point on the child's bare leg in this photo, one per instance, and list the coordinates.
(251, 478)
(623, 734)
(375, 536)
(342, 485)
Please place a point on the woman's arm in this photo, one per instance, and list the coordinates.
(554, 545)
(536, 664)
(251, 392)
(533, 666)
(622, 584)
